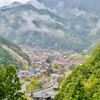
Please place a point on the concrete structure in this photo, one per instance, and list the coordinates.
(42, 96)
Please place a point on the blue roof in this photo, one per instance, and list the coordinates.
(32, 71)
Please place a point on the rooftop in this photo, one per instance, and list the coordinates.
(42, 95)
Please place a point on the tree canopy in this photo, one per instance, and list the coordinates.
(88, 86)
(10, 85)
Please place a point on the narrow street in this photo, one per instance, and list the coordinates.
(24, 86)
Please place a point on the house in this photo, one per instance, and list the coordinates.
(32, 71)
(27, 73)
(42, 96)
(23, 74)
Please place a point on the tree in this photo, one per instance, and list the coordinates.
(80, 57)
(56, 66)
(36, 66)
(62, 70)
(10, 85)
(97, 95)
(2, 85)
(86, 87)
(60, 79)
(71, 57)
(49, 71)
(35, 84)
(48, 60)
(78, 91)
(72, 66)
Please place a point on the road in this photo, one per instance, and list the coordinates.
(24, 86)
(47, 90)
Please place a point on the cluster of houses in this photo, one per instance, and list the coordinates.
(28, 73)
(39, 58)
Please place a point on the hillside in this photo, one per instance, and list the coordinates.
(42, 28)
(59, 25)
(10, 53)
(90, 5)
(84, 82)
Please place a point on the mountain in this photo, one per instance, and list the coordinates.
(90, 5)
(10, 53)
(38, 27)
(14, 4)
(82, 16)
(84, 81)
(59, 25)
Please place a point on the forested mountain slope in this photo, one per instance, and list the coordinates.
(39, 28)
(61, 25)
(10, 53)
(84, 82)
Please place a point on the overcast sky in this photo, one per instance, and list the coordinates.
(7, 2)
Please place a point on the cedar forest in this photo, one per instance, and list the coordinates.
(84, 82)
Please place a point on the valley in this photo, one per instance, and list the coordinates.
(48, 67)
(50, 50)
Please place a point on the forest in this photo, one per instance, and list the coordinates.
(7, 57)
(84, 81)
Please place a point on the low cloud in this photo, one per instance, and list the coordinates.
(95, 29)
(37, 4)
(30, 16)
(61, 4)
(78, 12)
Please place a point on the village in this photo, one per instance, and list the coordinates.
(48, 69)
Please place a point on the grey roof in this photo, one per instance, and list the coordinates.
(42, 95)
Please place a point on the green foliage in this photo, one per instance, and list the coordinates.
(56, 89)
(10, 84)
(78, 91)
(62, 70)
(72, 66)
(56, 66)
(71, 57)
(82, 57)
(34, 84)
(84, 81)
(6, 58)
(14, 47)
(27, 79)
(60, 79)
(97, 95)
(49, 71)
(48, 60)
(36, 66)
